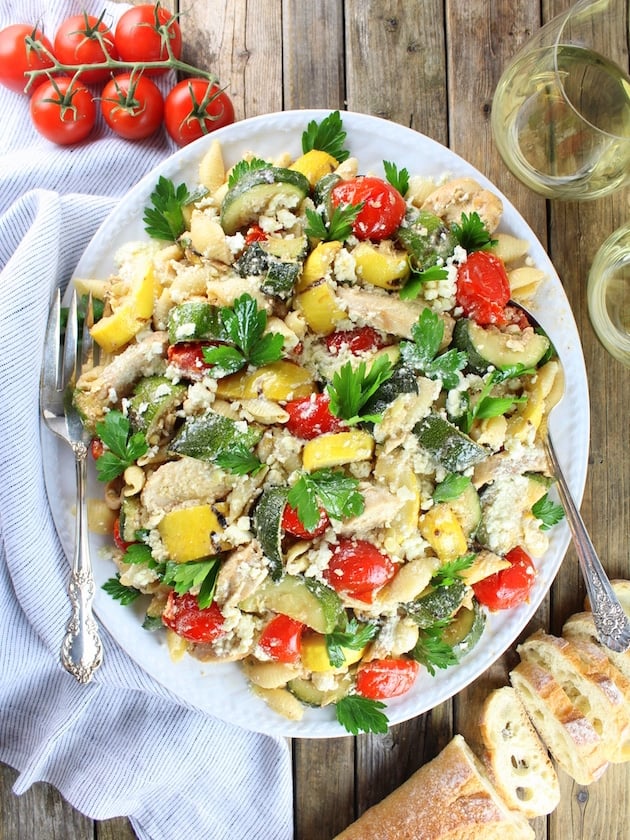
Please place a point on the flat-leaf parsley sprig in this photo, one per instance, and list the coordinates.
(361, 714)
(327, 136)
(421, 354)
(352, 387)
(548, 512)
(123, 446)
(332, 490)
(164, 220)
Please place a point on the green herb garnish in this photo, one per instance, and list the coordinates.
(239, 460)
(431, 650)
(413, 286)
(124, 447)
(124, 594)
(398, 178)
(548, 512)
(422, 353)
(451, 572)
(242, 168)
(451, 487)
(487, 406)
(165, 219)
(332, 490)
(327, 136)
(351, 388)
(354, 637)
(360, 714)
(472, 233)
(339, 226)
(201, 574)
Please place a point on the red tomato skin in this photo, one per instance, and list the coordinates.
(358, 569)
(183, 123)
(16, 57)
(137, 122)
(255, 234)
(381, 679)
(310, 417)
(188, 358)
(118, 540)
(183, 616)
(292, 524)
(75, 43)
(483, 288)
(49, 118)
(96, 448)
(357, 340)
(281, 639)
(383, 206)
(137, 38)
(509, 587)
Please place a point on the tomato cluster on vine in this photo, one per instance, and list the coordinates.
(60, 77)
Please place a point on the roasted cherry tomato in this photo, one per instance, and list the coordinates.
(85, 39)
(358, 569)
(96, 448)
(281, 639)
(383, 678)
(357, 340)
(509, 587)
(118, 540)
(183, 616)
(21, 49)
(142, 34)
(132, 106)
(63, 110)
(195, 107)
(188, 358)
(483, 288)
(310, 417)
(383, 206)
(255, 234)
(292, 525)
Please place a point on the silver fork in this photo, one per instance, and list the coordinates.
(81, 650)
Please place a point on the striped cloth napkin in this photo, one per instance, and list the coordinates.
(122, 745)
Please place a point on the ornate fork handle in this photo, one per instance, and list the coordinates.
(612, 624)
(81, 650)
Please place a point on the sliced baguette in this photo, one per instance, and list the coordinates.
(588, 684)
(568, 734)
(582, 626)
(450, 798)
(621, 589)
(518, 763)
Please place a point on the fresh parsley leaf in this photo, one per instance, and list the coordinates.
(165, 219)
(472, 233)
(242, 168)
(327, 136)
(354, 637)
(451, 572)
(198, 574)
(413, 286)
(332, 490)
(421, 353)
(239, 460)
(548, 512)
(137, 553)
(451, 487)
(399, 179)
(488, 406)
(351, 388)
(360, 714)
(224, 360)
(339, 226)
(123, 446)
(432, 651)
(124, 594)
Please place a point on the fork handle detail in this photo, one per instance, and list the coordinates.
(611, 622)
(81, 650)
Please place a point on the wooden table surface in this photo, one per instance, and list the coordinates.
(431, 65)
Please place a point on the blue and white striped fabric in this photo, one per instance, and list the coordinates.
(122, 745)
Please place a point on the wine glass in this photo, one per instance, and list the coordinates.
(608, 294)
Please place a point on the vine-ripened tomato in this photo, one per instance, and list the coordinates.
(183, 616)
(142, 34)
(310, 417)
(132, 106)
(281, 639)
(195, 107)
(187, 357)
(383, 206)
(77, 42)
(21, 50)
(483, 288)
(292, 524)
(63, 111)
(380, 679)
(357, 340)
(508, 587)
(358, 569)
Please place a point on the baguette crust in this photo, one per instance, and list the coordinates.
(569, 735)
(589, 683)
(582, 626)
(517, 761)
(447, 799)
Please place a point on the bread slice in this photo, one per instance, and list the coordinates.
(450, 798)
(568, 734)
(582, 626)
(517, 762)
(587, 681)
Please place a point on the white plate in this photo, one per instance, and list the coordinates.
(221, 689)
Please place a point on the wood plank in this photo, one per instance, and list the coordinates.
(324, 789)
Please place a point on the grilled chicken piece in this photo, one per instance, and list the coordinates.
(505, 464)
(465, 195)
(381, 506)
(185, 480)
(241, 574)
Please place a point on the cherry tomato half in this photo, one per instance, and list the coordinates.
(310, 417)
(510, 586)
(383, 206)
(195, 107)
(281, 639)
(358, 569)
(142, 34)
(21, 50)
(77, 42)
(383, 678)
(187, 357)
(483, 288)
(183, 616)
(357, 340)
(63, 111)
(118, 540)
(292, 525)
(133, 107)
